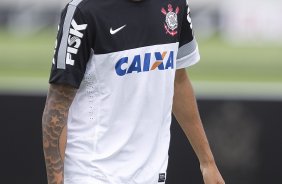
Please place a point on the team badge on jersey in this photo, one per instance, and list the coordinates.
(171, 22)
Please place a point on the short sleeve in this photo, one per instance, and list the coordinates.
(188, 53)
(73, 48)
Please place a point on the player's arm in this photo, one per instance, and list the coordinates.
(54, 125)
(186, 112)
(74, 43)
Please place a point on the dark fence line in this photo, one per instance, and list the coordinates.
(245, 136)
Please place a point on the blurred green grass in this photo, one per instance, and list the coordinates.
(221, 61)
(25, 61)
(26, 56)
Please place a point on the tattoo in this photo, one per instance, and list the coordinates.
(54, 121)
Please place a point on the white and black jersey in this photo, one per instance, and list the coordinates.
(122, 57)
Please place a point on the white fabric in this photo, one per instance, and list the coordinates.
(119, 126)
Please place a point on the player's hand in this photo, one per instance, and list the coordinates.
(211, 174)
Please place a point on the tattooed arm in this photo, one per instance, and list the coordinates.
(54, 126)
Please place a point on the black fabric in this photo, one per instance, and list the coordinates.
(72, 78)
(73, 74)
(186, 34)
(144, 23)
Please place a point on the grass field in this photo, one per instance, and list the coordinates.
(25, 64)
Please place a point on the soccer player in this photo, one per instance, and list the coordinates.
(118, 72)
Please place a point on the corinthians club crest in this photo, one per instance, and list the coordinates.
(171, 22)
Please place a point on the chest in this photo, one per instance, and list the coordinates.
(127, 25)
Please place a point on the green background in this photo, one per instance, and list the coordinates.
(224, 68)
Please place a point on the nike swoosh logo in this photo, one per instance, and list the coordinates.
(116, 30)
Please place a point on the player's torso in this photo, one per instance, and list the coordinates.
(124, 101)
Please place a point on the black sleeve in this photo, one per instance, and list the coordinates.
(186, 34)
(73, 47)
(188, 48)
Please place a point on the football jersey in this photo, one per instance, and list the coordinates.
(122, 57)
